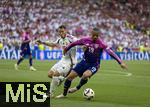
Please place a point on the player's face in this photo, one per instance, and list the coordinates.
(95, 35)
(62, 32)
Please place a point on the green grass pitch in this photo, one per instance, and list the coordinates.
(113, 86)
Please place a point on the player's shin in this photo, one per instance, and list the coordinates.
(30, 61)
(82, 82)
(20, 60)
(67, 85)
(54, 83)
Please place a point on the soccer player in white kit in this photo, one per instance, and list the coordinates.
(60, 70)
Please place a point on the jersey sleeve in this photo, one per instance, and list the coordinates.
(103, 44)
(77, 42)
(110, 52)
(72, 38)
(57, 41)
(113, 55)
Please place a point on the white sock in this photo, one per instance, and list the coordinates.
(54, 83)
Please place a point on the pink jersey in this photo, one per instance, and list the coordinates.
(25, 36)
(94, 50)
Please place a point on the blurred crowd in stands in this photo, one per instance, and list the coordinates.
(43, 17)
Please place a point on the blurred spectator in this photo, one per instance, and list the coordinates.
(1, 45)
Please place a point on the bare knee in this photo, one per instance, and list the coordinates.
(56, 73)
(50, 74)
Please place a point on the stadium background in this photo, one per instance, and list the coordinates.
(124, 25)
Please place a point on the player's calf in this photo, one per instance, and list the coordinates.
(83, 81)
(20, 60)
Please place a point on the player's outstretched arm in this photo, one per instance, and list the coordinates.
(51, 44)
(112, 54)
(78, 42)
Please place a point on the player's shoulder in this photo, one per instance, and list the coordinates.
(71, 37)
(102, 42)
(100, 39)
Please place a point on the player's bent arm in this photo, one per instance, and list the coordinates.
(78, 42)
(112, 54)
(26, 41)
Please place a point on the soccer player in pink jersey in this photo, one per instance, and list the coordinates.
(90, 64)
(25, 49)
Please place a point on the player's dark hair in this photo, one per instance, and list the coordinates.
(62, 26)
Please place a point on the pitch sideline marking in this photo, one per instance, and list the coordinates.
(128, 74)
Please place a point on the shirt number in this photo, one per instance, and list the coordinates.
(93, 69)
(91, 50)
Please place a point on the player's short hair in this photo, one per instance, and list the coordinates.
(62, 26)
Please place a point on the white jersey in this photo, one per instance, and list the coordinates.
(71, 54)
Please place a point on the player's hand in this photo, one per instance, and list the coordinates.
(123, 66)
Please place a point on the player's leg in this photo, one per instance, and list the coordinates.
(56, 80)
(22, 54)
(77, 71)
(84, 79)
(54, 83)
(57, 70)
(20, 60)
(50, 73)
(60, 69)
(67, 83)
(30, 61)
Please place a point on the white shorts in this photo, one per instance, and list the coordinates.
(63, 67)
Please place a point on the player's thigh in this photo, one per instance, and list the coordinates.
(56, 73)
(72, 75)
(90, 71)
(29, 53)
(80, 68)
(87, 74)
(62, 68)
(52, 70)
(22, 54)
